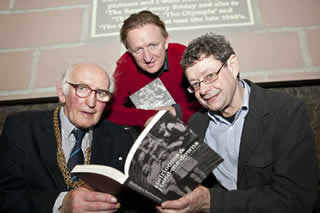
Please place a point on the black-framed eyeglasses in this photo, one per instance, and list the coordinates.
(211, 77)
(83, 91)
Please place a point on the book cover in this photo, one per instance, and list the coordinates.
(152, 95)
(166, 161)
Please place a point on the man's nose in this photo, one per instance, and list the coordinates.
(203, 88)
(91, 99)
(147, 55)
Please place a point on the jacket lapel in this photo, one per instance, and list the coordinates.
(105, 149)
(48, 149)
(98, 149)
(252, 129)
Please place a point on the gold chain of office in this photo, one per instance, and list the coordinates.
(60, 155)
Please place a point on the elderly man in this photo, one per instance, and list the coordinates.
(264, 137)
(38, 149)
(149, 56)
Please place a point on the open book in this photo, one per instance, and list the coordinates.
(166, 161)
(152, 95)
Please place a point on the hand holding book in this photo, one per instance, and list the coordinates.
(166, 161)
(196, 201)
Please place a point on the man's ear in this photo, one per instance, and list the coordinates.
(62, 98)
(234, 65)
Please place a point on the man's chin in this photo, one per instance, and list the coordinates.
(211, 105)
(86, 124)
(151, 71)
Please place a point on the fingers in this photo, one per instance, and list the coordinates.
(195, 201)
(175, 204)
(170, 108)
(164, 210)
(97, 201)
(84, 200)
(101, 197)
(164, 108)
(102, 206)
(90, 195)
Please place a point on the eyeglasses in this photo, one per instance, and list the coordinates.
(140, 50)
(83, 91)
(211, 77)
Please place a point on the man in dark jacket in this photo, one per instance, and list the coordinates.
(36, 148)
(264, 137)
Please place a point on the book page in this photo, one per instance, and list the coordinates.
(101, 178)
(100, 170)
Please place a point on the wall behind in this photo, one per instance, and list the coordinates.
(40, 37)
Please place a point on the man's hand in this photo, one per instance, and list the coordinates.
(170, 108)
(85, 200)
(196, 201)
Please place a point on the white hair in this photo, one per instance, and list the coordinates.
(66, 78)
(66, 75)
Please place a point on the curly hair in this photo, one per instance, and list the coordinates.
(209, 44)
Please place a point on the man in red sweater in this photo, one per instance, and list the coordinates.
(149, 56)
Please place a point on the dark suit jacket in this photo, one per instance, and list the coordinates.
(30, 179)
(277, 167)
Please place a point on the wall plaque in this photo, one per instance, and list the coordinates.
(108, 15)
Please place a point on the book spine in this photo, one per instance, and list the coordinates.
(132, 185)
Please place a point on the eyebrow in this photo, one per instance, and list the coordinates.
(191, 80)
(204, 75)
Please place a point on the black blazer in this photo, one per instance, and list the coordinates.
(277, 167)
(30, 179)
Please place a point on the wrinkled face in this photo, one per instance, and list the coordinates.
(84, 112)
(217, 95)
(148, 47)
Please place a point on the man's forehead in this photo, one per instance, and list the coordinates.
(204, 57)
(147, 33)
(90, 74)
(197, 69)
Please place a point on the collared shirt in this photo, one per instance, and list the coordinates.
(67, 138)
(165, 66)
(68, 141)
(224, 137)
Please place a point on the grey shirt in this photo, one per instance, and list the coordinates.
(224, 137)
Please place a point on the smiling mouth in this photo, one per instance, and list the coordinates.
(150, 65)
(210, 97)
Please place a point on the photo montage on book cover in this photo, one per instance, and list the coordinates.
(152, 95)
(166, 161)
